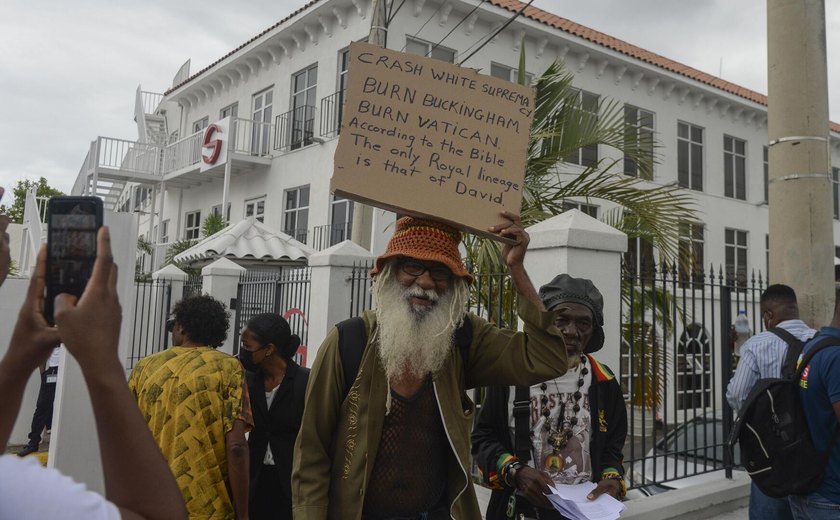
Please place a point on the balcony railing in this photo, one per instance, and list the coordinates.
(182, 153)
(128, 156)
(298, 234)
(252, 137)
(332, 110)
(295, 128)
(151, 101)
(330, 235)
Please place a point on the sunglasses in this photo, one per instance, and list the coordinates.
(414, 268)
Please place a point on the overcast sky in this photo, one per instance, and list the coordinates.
(68, 69)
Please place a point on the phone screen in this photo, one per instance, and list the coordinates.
(71, 245)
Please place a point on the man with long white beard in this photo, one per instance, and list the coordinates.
(392, 442)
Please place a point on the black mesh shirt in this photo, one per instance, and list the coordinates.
(409, 474)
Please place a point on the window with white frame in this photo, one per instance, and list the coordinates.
(589, 209)
(734, 167)
(638, 135)
(217, 210)
(587, 105)
(141, 197)
(497, 70)
(690, 156)
(231, 111)
(736, 256)
(164, 232)
(423, 48)
(296, 213)
(691, 249)
(262, 106)
(255, 208)
(767, 177)
(192, 225)
(302, 128)
(341, 220)
(639, 257)
(201, 124)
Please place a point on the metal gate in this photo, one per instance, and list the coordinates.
(281, 292)
(152, 304)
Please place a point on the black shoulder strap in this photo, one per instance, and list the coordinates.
(823, 343)
(521, 420)
(352, 340)
(794, 349)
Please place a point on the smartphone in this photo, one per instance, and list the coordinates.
(72, 224)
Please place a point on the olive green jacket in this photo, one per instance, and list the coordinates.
(339, 438)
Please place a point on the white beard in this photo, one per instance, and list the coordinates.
(415, 340)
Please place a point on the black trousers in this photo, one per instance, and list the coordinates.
(268, 501)
(42, 418)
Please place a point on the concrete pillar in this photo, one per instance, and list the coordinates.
(176, 279)
(800, 205)
(74, 446)
(330, 290)
(221, 280)
(583, 247)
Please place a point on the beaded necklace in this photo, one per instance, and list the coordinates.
(558, 437)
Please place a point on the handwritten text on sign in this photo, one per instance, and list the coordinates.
(426, 137)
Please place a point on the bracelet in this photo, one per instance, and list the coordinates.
(615, 475)
(509, 471)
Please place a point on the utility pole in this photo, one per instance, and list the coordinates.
(801, 238)
(362, 213)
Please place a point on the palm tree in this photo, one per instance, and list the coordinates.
(560, 128)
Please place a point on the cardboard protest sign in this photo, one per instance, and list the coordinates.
(428, 138)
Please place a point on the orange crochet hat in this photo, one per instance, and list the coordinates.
(424, 239)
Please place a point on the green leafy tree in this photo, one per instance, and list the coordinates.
(42, 189)
(212, 224)
(560, 128)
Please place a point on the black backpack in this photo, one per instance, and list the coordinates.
(771, 428)
(352, 340)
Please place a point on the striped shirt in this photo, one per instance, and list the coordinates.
(762, 356)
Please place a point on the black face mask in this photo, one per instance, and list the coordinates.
(246, 357)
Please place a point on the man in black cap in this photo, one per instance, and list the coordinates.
(568, 430)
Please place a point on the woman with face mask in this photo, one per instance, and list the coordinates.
(277, 386)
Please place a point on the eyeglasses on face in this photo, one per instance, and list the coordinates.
(416, 268)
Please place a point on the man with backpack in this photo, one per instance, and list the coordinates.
(386, 428)
(819, 389)
(763, 356)
(568, 430)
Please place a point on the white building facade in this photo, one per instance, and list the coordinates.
(283, 91)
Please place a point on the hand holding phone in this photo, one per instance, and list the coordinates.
(73, 223)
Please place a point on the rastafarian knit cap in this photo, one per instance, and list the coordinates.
(428, 240)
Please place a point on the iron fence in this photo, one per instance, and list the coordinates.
(152, 303)
(194, 285)
(361, 288)
(285, 292)
(676, 361)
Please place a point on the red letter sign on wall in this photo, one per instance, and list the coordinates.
(214, 144)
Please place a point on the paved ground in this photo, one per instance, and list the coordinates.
(738, 514)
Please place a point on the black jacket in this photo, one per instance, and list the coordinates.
(277, 425)
(491, 438)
